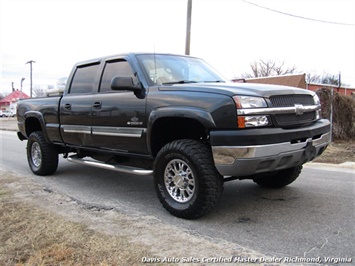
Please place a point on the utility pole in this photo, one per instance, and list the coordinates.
(21, 86)
(30, 62)
(188, 27)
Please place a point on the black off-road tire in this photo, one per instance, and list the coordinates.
(42, 157)
(186, 180)
(280, 178)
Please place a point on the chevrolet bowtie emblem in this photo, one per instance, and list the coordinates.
(299, 109)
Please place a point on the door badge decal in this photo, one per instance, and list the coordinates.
(134, 122)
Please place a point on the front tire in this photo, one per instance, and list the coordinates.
(185, 179)
(280, 178)
(42, 157)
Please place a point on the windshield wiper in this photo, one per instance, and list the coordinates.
(215, 81)
(179, 82)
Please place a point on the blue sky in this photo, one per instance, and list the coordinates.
(229, 34)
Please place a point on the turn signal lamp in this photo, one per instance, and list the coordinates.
(248, 102)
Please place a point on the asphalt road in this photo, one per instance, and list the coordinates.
(312, 217)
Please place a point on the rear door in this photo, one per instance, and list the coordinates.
(118, 117)
(76, 105)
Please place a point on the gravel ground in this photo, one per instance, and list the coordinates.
(41, 227)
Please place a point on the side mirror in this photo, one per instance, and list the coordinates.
(123, 83)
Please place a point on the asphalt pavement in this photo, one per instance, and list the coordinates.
(8, 123)
(312, 218)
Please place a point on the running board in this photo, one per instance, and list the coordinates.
(118, 168)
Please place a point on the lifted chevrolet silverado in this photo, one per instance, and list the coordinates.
(175, 118)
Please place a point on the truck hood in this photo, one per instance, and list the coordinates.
(231, 89)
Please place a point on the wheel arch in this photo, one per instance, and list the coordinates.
(34, 121)
(172, 123)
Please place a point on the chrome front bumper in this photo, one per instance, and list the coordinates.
(248, 160)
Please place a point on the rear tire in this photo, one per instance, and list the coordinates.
(42, 157)
(186, 180)
(280, 178)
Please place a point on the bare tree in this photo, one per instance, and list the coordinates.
(266, 68)
(330, 79)
(282, 70)
(325, 78)
(61, 82)
(314, 78)
(38, 91)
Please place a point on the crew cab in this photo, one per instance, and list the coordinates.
(176, 118)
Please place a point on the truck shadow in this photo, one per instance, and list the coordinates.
(246, 214)
(242, 202)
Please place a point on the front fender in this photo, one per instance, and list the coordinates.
(202, 116)
(196, 114)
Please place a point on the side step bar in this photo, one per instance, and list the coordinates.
(118, 168)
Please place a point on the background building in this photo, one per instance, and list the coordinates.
(9, 103)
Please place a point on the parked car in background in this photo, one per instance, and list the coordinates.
(6, 113)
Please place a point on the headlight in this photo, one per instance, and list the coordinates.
(316, 99)
(253, 121)
(249, 102)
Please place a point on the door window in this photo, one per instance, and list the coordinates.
(84, 79)
(113, 69)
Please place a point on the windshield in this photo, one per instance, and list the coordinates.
(174, 69)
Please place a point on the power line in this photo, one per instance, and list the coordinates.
(301, 17)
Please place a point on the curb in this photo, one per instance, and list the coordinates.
(346, 165)
(8, 124)
(8, 129)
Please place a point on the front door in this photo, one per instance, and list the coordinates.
(118, 117)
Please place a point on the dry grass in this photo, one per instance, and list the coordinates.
(338, 152)
(38, 227)
(33, 236)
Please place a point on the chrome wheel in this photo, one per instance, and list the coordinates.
(36, 154)
(42, 156)
(185, 178)
(179, 180)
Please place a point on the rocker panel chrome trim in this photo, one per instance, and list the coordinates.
(76, 129)
(118, 131)
(105, 131)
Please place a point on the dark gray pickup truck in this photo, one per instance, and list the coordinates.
(177, 119)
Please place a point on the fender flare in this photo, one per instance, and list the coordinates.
(39, 116)
(196, 114)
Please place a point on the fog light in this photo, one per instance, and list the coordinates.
(253, 121)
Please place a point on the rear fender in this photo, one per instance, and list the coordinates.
(34, 121)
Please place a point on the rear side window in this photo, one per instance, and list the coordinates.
(113, 69)
(84, 79)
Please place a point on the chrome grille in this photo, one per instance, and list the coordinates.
(289, 120)
(291, 100)
(293, 119)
